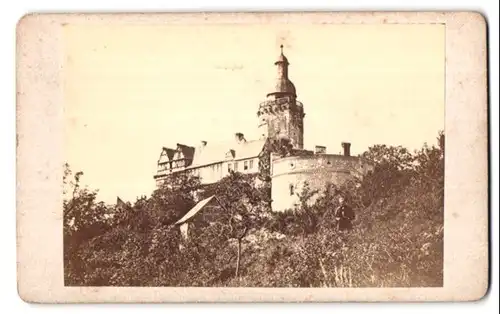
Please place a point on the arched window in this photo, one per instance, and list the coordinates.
(292, 189)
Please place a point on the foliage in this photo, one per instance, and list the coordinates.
(134, 243)
(281, 147)
(83, 219)
(397, 238)
(241, 208)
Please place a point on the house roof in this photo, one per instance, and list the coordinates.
(193, 211)
(212, 153)
(187, 151)
(170, 152)
(216, 152)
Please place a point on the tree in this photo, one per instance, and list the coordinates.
(393, 168)
(395, 156)
(430, 163)
(127, 244)
(83, 218)
(81, 209)
(282, 147)
(241, 207)
(174, 198)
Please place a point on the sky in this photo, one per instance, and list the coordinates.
(132, 89)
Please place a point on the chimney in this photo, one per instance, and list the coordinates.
(319, 149)
(239, 137)
(347, 149)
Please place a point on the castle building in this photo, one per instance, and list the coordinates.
(281, 118)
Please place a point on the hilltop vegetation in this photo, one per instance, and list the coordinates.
(397, 237)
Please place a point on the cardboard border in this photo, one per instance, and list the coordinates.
(40, 65)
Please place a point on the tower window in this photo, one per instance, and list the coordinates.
(292, 189)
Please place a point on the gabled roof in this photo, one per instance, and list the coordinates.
(121, 204)
(187, 151)
(230, 154)
(168, 152)
(193, 211)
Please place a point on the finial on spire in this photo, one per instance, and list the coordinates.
(281, 58)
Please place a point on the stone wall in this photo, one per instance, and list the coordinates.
(282, 118)
(289, 175)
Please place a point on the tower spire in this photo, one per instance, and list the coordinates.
(283, 86)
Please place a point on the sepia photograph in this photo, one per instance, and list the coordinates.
(255, 156)
(254, 151)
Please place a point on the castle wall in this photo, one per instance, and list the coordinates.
(290, 173)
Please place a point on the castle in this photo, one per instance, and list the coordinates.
(281, 118)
